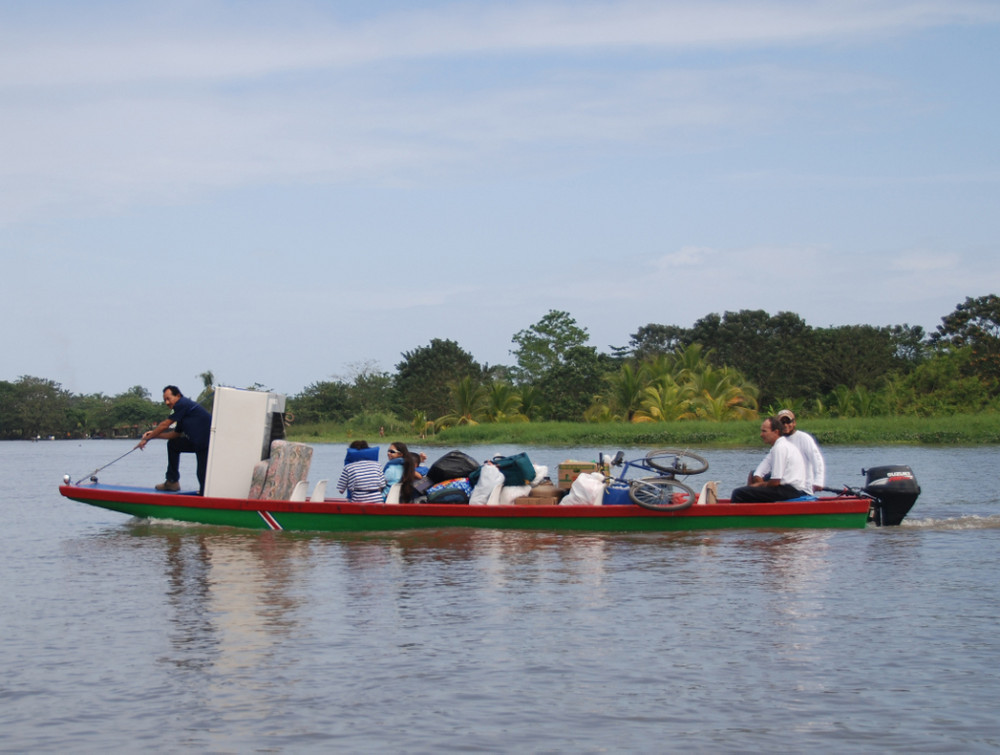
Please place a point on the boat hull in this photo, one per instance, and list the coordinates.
(333, 515)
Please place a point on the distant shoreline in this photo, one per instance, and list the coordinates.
(957, 430)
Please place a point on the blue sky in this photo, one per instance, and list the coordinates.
(286, 193)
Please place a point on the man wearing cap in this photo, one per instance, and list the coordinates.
(815, 466)
(782, 474)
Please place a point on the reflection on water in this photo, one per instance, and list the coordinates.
(239, 600)
(123, 634)
(232, 595)
(234, 605)
(191, 626)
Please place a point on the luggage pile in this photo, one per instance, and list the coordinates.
(503, 480)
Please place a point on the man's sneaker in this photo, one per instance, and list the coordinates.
(168, 485)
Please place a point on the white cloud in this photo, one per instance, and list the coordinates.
(99, 114)
(577, 141)
(156, 45)
(108, 150)
(688, 256)
(924, 262)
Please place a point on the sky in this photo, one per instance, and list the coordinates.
(289, 193)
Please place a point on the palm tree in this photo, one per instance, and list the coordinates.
(420, 424)
(658, 368)
(530, 401)
(895, 396)
(795, 405)
(468, 402)
(503, 403)
(842, 401)
(866, 403)
(720, 394)
(690, 359)
(664, 401)
(600, 412)
(205, 398)
(679, 364)
(626, 390)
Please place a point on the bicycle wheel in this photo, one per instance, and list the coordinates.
(673, 461)
(661, 494)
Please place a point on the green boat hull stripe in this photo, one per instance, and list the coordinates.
(333, 516)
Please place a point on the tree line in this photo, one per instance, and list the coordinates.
(737, 365)
(34, 407)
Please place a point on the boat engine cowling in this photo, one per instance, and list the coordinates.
(894, 490)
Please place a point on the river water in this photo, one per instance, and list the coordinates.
(120, 634)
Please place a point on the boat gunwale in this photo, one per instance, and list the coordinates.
(821, 506)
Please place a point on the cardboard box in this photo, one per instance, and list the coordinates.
(533, 501)
(570, 470)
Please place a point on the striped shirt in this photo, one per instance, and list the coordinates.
(363, 481)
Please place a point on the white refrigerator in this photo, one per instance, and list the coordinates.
(241, 436)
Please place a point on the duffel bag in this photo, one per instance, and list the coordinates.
(452, 465)
(450, 491)
(517, 469)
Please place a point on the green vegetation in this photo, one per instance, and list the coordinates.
(704, 385)
(962, 430)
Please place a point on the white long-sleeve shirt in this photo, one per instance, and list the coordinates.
(815, 466)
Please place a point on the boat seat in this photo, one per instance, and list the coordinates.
(319, 493)
(299, 491)
(393, 496)
(275, 478)
(801, 498)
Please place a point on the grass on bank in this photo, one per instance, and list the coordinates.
(958, 430)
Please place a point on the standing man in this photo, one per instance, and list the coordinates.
(815, 465)
(782, 474)
(190, 435)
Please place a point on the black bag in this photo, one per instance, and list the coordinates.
(421, 486)
(453, 464)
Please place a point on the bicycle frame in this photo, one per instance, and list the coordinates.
(659, 489)
(636, 464)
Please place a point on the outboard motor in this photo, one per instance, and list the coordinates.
(894, 490)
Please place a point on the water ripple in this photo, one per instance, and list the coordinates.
(122, 634)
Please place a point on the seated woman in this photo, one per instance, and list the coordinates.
(400, 468)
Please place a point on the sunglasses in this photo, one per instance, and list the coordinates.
(787, 420)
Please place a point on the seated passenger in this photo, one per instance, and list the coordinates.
(401, 468)
(782, 474)
(815, 464)
(362, 479)
(420, 460)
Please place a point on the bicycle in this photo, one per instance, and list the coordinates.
(662, 491)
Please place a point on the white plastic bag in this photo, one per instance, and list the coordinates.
(541, 472)
(587, 490)
(489, 478)
(508, 493)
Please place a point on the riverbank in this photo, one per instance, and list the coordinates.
(958, 430)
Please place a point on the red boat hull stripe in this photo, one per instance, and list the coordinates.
(271, 521)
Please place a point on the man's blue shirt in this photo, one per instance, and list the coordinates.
(192, 420)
